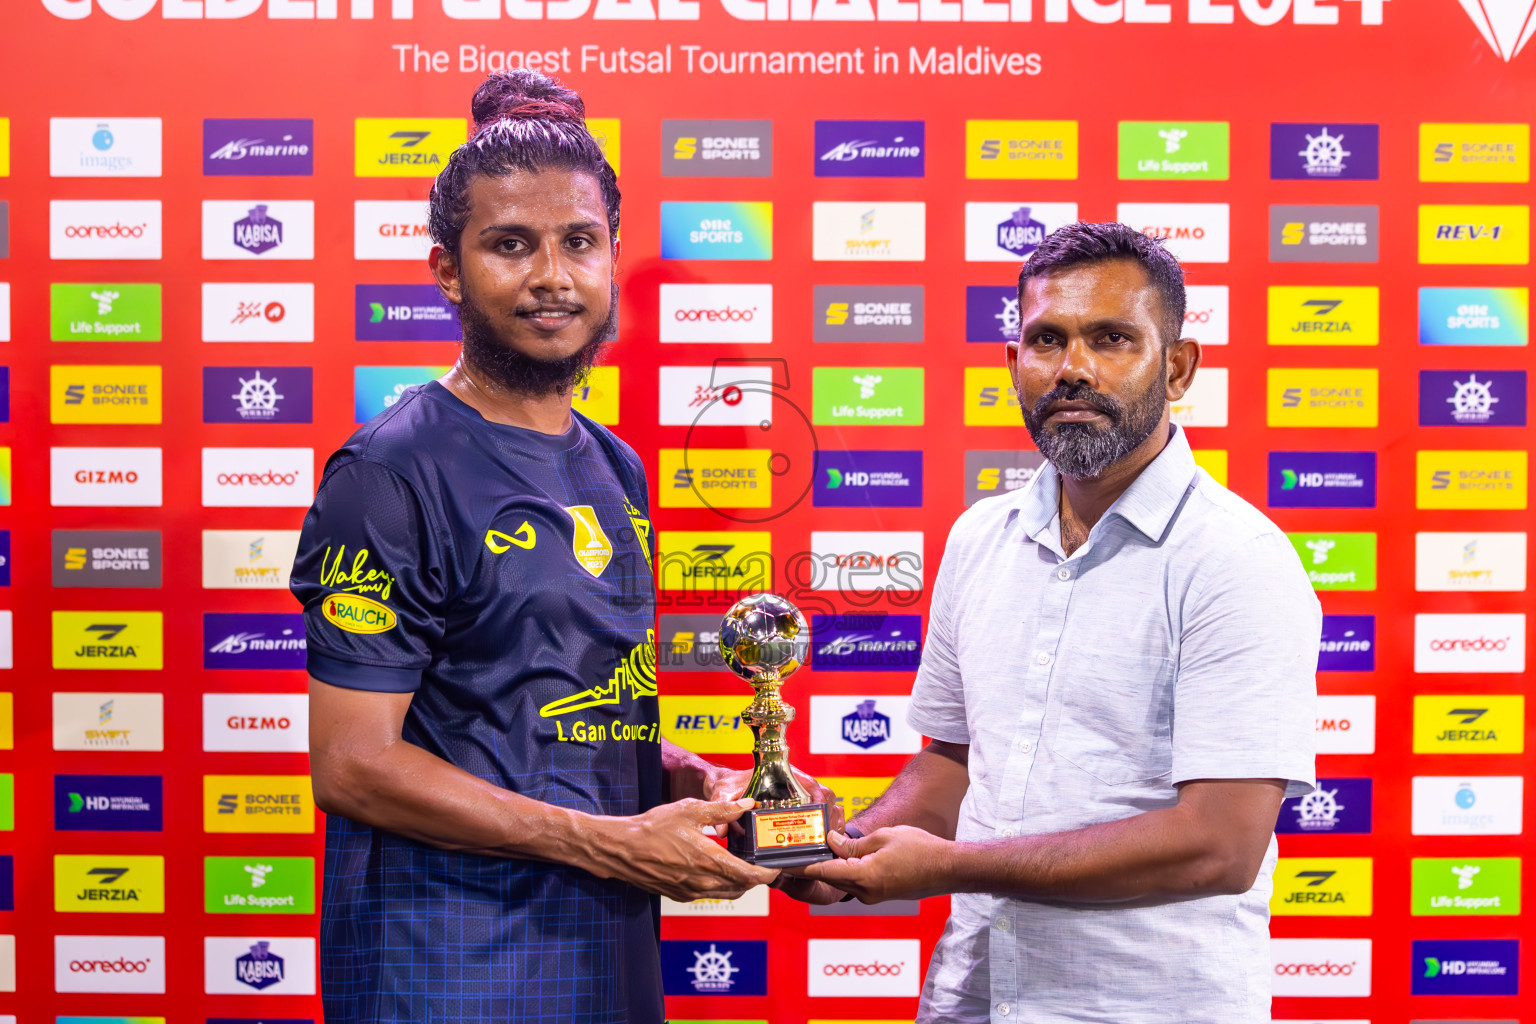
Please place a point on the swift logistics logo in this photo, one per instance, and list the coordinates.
(1193, 232)
(1469, 561)
(376, 388)
(1322, 397)
(1324, 234)
(715, 478)
(90, 229)
(1462, 235)
(868, 479)
(1041, 150)
(107, 803)
(253, 640)
(108, 721)
(1451, 805)
(104, 394)
(404, 312)
(869, 149)
(241, 394)
(876, 395)
(991, 312)
(1335, 807)
(888, 313)
(1466, 887)
(1322, 887)
(1324, 152)
(869, 232)
(1322, 479)
(108, 640)
(1471, 398)
(405, 147)
(1180, 151)
(714, 967)
(1475, 724)
(108, 884)
(256, 722)
(1321, 967)
(257, 229)
(716, 149)
(1205, 403)
(741, 313)
(104, 312)
(390, 229)
(258, 803)
(866, 642)
(752, 903)
(717, 231)
(1346, 724)
(1476, 152)
(1469, 643)
(1466, 967)
(990, 472)
(264, 147)
(258, 311)
(113, 147)
(1347, 644)
(1337, 561)
(1474, 316)
(1324, 315)
(259, 885)
(1011, 232)
(1470, 479)
(248, 559)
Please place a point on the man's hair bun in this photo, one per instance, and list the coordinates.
(524, 95)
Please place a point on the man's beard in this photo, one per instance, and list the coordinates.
(1083, 450)
(518, 372)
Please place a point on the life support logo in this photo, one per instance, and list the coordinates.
(358, 614)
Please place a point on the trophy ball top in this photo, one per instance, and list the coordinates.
(764, 633)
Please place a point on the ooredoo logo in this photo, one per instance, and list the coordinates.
(109, 963)
(863, 967)
(1321, 967)
(717, 313)
(1469, 643)
(258, 477)
(104, 230)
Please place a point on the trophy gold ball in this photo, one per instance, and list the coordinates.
(764, 639)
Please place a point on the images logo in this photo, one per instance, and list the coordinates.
(716, 149)
(259, 885)
(393, 147)
(107, 803)
(869, 149)
(1335, 807)
(108, 721)
(1186, 150)
(1346, 724)
(1322, 479)
(868, 231)
(1469, 642)
(1321, 967)
(863, 967)
(991, 312)
(118, 229)
(881, 395)
(1021, 149)
(1348, 644)
(868, 479)
(243, 395)
(989, 473)
(1337, 561)
(1318, 397)
(1469, 561)
(258, 722)
(404, 312)
(104, 312)
(1475, 152)
(1483, 724)
(868, 560)
(1193, 232)
(1471, 479)
(728, 562)
(258, 803)
(740, 313)
(1010, 232)
(253, 640)
(258, 966)
(1324, 234)
(1333, 315)
(716, 231)
(706, 724)
(251, 147)
(258, 311)
(258, 477)
(1324, 152)
(108, 640)
(1471, 398)
(716, 968)
(889, 313)
(242, 229)
(866, 642)
(715, 478)
(108, 884)
(1473, 316)
(390, 229)
(376, 388)
(1463, 887)
(1322, 886)
(109, 963)
(1482, 967)
(117, 147)
(1460, 806)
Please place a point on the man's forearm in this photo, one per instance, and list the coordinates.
(925, 795)
(686, 773)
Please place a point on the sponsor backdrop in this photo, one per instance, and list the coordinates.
(211, 239)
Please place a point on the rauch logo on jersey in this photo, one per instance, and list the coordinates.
(1462, 886)
(257, 394)
(866, 642)
(1324, 234)
(868, 479)
(740, 313)
(991, 312)
(1450, 805)
(259, 885)
(869, 149)
(258, 311)
(716, 149)
(1324, 152)
(1335, 807)
(717, 231)
(259, 722)
(252, 640)
(1466, 967)
(250, 147)
(890, 313)
(404, 312)
(107, 803)
(1471, 398)
(104, 312)
(1348, 644)
(1011, 232)
(714, 968)
(1322, 479)
(1474, 316)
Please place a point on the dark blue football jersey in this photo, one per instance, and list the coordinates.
(503, 577)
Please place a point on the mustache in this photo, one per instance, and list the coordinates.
(529, 309)
(1077, 393)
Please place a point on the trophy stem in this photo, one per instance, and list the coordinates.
(773, 784)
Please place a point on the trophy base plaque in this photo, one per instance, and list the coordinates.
(782, 837)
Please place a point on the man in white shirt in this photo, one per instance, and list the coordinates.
(1119, 684)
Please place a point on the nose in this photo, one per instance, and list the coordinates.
(1077, 365)
(549, 271)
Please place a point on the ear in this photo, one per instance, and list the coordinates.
(1012, 356)
(1183, 360)
(445, 269)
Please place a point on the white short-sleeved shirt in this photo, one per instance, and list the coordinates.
(1179, 642)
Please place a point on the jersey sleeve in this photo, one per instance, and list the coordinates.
(373, 580)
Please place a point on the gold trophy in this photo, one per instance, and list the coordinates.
(763, 639)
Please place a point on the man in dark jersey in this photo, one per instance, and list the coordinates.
(479, 605)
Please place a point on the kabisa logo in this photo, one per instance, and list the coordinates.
(1348, 644)
(866, 642)
(260, 968)
(1322, 479)
(717, 231)
(1010, 232)
(991, 312)
(1474, 316)
(279, 229)
(866, 724)
(107, 803)
(1503, 24)
(390, 147)
(248, 147)
(1324, 152)
(1335, 807)
(991, 472)
(404, 312)
(1471, 398)
(1021, 150)
(716, 149)
(868, 479)
(1333, 315)
(865, 727)
(869, 149)
(1324, 234)
(717, 968)
(243, 395)
(119, 147)
(1466, 967)
(253, 640)
(1450, 805)
(889, 313)
(258, 233)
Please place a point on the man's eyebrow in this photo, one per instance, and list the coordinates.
(1108, 323)
(578, 225)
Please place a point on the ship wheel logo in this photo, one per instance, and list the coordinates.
(1325, 153)
(258, 397)
(712, 970)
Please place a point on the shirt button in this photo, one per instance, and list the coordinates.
(1002, 1009)
(1007, 833)
(1025, 746)
(1063, 573)
(1001, 924)
(1042, 658)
